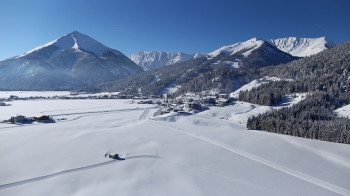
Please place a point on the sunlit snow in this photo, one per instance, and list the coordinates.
(208, 153)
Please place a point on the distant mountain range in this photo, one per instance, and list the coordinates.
(197, 74)
(150, 60)
(69, 62)
(75, 61)
(298, 47)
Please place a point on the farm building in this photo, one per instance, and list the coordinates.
(113, 156)
(18, 119)
(42, 118)
(194, 106)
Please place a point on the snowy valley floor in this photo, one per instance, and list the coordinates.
(209, 153)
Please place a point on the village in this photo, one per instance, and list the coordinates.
(183, 105)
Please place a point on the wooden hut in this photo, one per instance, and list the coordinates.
(113, 156)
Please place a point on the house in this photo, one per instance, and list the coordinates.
(178, 109)
(209, 100)
(224, 96)
(223, 102)
(14, 97)
(145, 102)
(42, 118)
(194, 106)
(72, 93)
(18, 119)
(113, 156)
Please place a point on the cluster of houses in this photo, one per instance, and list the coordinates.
(23, 119)
(189, 103)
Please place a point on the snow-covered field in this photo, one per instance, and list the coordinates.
(26, 94)
(49, 94)
(209, 153)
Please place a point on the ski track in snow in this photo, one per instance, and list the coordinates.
(40, 178)
(144, 114)
(307, 178)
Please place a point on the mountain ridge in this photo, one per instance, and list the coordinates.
(76, 58)
(150, 60)
(302, 47)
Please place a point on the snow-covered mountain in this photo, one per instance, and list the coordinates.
(154, 59)
(251, 53)
(205, 73)
(302, 47)
(70, 61)
(245, 47)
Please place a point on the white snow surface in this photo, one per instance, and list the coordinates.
(254, 83)
(209, 153)
(50, 94)
(302, 47)
(76, 41)
(150, 60)
(343, 111)
(27, 94)
(249, 46)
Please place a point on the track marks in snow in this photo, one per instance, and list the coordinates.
(307, 178)
(84, 114)
(144, 114)
(40, 178)
(79, 169)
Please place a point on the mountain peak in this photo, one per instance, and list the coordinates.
(68, 62)
(302, 47)
(248, 45)
(74, 40)
(75, 33)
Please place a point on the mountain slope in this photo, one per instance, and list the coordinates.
(253, 53)
(302, 47)
(222, 70)
(247, 47)
(324, 77)
(150, 60)
(71, 61)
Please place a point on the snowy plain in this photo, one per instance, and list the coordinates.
(208, 153)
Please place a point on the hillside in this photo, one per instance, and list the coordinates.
(325, 78)
(302, 47)
(240, 57)
(69, 62)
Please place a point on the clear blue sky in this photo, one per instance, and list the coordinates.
(168, 25)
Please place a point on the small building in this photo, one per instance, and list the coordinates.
(42, 118)
(223, 102)
(14, 97)
(2, 104)
(224, 96)
(194, 106)
(113, 156)
(209, 100)
(18, 119)
(145, 102)
(73, 93)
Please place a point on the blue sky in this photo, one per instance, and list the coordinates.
(162, 25)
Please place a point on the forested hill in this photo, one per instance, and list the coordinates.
(326, 79)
